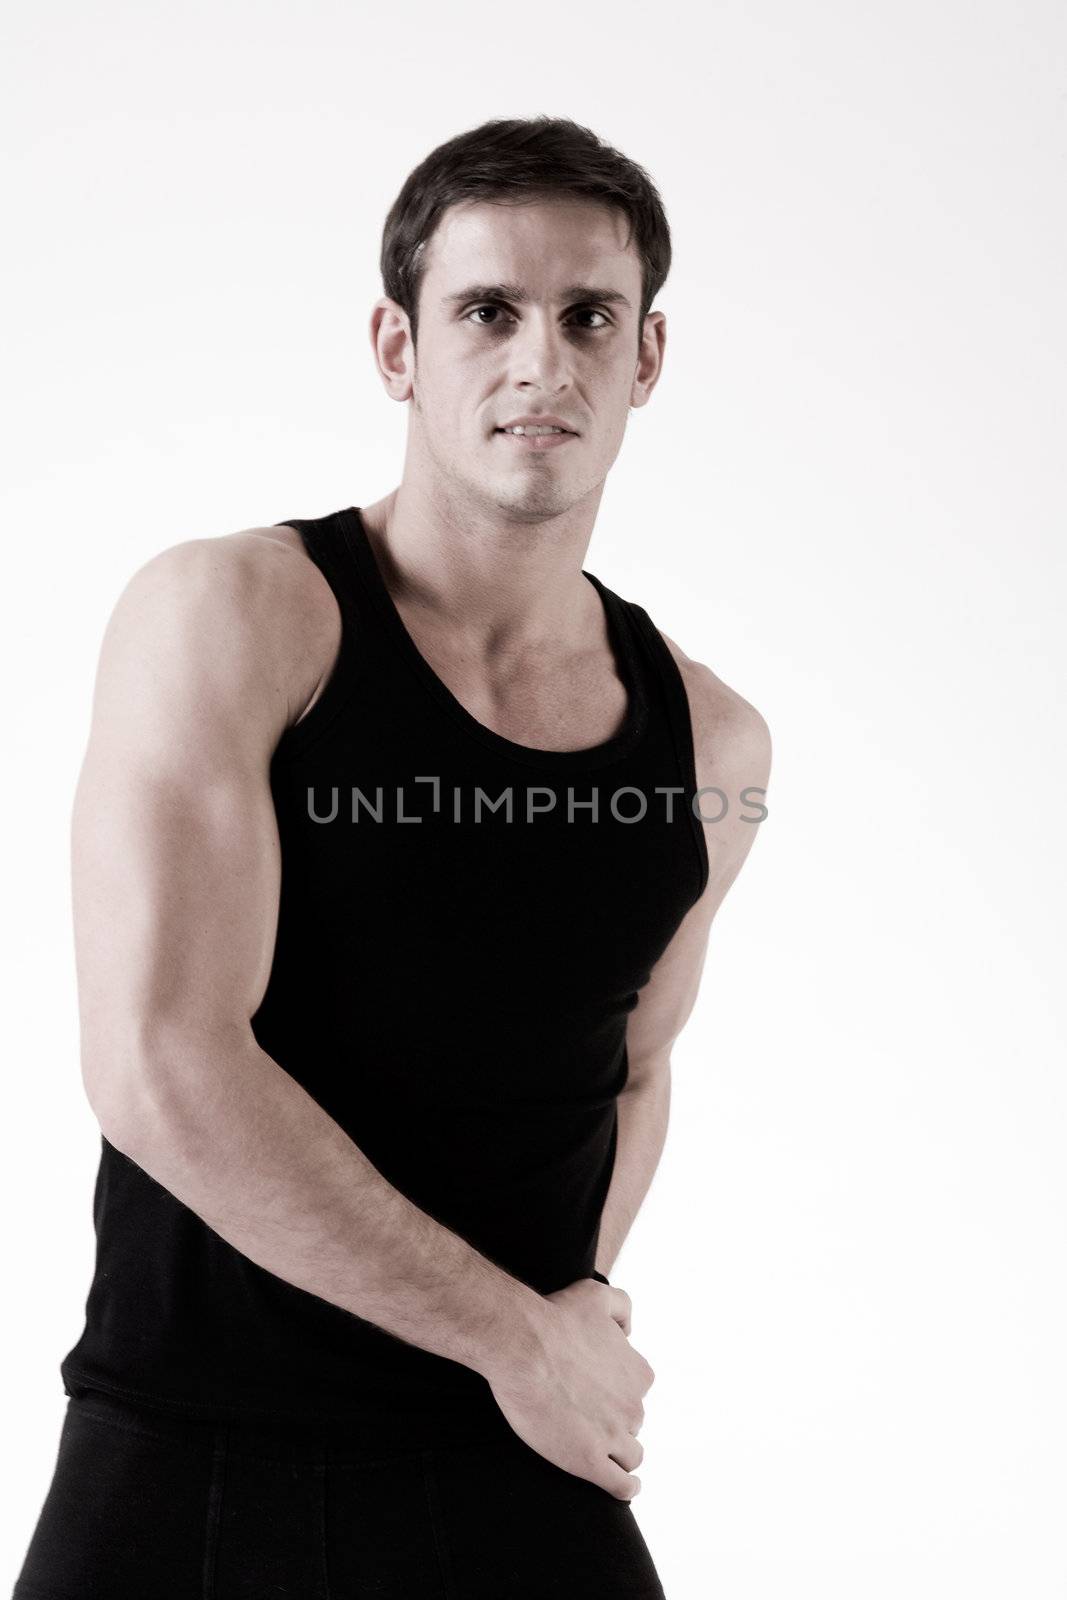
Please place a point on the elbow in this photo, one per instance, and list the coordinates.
(120, 1087)
(649, 1070)
(140, 1078)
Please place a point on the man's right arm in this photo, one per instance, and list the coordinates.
(176, 876)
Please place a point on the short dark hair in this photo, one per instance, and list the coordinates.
(510, 160)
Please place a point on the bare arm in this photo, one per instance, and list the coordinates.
(733, 751)
(176, 880)
(212, 650)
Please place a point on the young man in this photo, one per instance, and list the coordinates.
(392, 893)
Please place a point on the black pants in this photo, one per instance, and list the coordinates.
(146, 1507)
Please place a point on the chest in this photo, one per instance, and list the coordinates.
(543, 699)
(428, 862)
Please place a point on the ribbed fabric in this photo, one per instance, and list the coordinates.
(451, 985)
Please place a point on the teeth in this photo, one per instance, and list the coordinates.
(535, 431)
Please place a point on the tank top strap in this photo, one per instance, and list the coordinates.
(632, 664)
(324, 541)
(675, 701)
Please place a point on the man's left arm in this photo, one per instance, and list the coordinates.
(732, 747)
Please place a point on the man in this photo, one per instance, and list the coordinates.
(391, 896)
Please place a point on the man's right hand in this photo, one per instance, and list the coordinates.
(579, 1404)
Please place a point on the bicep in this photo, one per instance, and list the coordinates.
(175, 859)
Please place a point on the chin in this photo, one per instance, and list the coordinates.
(535, 502)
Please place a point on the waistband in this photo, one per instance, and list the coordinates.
(283, 1439)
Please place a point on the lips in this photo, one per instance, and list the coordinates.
(535, 443)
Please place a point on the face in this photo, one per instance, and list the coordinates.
(524, 310)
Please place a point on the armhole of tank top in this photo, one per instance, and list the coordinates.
(681, 725)
(339, 687)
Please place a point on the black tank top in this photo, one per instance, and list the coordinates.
(465, 924)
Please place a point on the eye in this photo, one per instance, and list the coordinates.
(594, 311)
(492, 306)
(475, 309)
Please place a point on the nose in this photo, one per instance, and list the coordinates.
(538, 354)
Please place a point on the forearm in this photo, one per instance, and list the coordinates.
(644, 1111)
(221, 1126)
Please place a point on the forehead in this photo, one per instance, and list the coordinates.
(561, 238)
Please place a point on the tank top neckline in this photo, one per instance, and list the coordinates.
(635, 722)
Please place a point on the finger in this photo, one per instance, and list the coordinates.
(623, 1485)
(629, 1453)
(621, 1308)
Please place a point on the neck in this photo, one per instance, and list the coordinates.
(496, 582)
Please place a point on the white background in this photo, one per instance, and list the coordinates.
(847, 497)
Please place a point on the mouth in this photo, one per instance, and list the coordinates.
(535, 441)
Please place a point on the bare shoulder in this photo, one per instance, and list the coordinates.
(731, 737)
(286, 585)
(732, 749)
(264, 572)
(249, 608)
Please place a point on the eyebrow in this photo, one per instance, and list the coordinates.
(584, 292)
